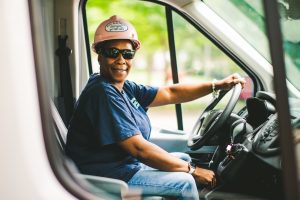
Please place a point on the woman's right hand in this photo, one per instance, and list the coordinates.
(205, 177)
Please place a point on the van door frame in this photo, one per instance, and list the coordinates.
(289, 169)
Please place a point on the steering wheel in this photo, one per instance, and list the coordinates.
(211, 120)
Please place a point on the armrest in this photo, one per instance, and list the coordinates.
(114, 186)
(109, 185)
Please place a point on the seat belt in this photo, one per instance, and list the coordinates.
(66, 94)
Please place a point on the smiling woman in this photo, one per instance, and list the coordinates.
(109, 132)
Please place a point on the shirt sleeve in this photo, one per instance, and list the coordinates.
(144, 94)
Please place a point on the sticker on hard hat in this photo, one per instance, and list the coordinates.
(116, 27)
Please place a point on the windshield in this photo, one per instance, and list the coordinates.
(247, 18)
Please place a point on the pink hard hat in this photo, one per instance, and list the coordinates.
(116, 28)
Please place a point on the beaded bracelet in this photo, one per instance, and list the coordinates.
(215, 93)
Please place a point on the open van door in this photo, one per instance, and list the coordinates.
(183, 41)
(288, 121)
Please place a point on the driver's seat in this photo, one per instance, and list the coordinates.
(97, 185)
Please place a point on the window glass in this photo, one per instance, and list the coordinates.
(198, 59)
(290, 21)
(247, 18)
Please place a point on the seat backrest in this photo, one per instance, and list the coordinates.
(97, 184)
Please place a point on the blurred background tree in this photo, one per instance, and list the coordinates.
(198, 59)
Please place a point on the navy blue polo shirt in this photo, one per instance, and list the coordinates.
(103, 117)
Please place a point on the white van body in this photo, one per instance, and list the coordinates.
(25, 169)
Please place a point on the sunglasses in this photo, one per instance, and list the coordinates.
(114, 53)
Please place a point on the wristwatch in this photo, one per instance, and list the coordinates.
(192, 167)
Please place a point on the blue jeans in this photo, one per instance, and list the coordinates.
(179, 185)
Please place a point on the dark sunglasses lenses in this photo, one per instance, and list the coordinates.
(114, 53)
(128, 54)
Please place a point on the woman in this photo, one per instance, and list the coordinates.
(109, 131)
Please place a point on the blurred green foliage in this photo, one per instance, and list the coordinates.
(198, 59)
(149, 19)
(140, 14)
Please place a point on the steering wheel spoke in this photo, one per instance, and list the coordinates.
(211, 120)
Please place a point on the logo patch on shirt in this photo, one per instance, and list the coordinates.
(135, 103)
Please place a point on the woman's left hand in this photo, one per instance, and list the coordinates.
(228, 82)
